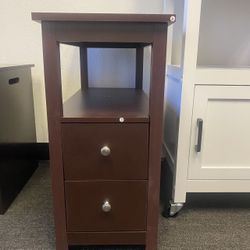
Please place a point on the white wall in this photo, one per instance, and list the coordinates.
(21, 40)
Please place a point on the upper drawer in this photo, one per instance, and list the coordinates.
(105, 151)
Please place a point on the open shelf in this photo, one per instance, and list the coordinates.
(224, 34)
(107, 105)
(222, 29)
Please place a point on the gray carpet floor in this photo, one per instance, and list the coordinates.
(206, 222)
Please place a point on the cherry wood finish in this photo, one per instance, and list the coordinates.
(51, 59)
(156, 127)
(108, 30)
(139, 67)
(82, 157)
(107, 105)
(84, 67)
(106, 44)
(104, 17)
(127, 199)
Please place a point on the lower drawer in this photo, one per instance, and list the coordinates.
(106, 205)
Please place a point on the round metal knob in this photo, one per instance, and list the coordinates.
(121, 119)
(105, 151)
(106, 207)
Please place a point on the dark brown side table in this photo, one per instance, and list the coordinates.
(105, 144)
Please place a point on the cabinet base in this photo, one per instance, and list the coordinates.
(106, 238)
(108, 248)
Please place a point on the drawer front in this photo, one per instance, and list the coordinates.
(84, 154)
(106, 206)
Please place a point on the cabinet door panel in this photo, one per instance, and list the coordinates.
(221, 120)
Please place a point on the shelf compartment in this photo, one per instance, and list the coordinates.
(107, 105)
(224, 40)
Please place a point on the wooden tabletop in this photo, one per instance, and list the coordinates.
(103, 17)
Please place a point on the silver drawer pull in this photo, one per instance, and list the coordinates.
(105, 151)
(106, 206)
(199, 140)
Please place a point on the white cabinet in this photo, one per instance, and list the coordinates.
(208, 80)
(220, 135)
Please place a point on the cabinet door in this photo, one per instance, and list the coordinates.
(221, 123)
